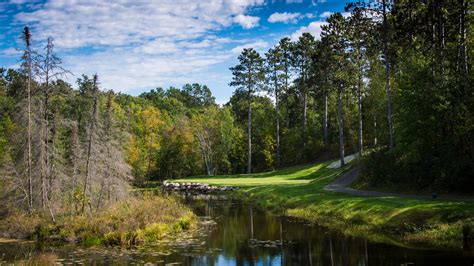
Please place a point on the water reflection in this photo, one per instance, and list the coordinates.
(241, 234)
(248, 236)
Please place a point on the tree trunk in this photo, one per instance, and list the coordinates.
(391, 130)
(206, 151)
(305, 108)
(340, 115)
(29, 162)
(42, 162)
(249, 155)
(325, 122)
(277, 114)
(305, 111)
(462, 54)
(287, 115)
(74, 159)
(87, 185)
(45, 142)
(359, 104)
(375, 130)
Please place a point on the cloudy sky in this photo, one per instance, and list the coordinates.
(137, 45)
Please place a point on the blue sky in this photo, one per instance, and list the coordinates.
(135, 46)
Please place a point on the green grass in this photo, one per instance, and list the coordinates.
(299, 191)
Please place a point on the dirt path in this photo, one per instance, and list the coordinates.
(340, 185)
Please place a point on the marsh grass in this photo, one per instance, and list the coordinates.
(139, 219)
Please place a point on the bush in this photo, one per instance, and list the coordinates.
(379, 167)
(402, 169)
(137, 220)
(19, 225)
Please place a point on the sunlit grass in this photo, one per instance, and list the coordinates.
(299, 191)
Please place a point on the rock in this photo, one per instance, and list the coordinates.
(190, 187)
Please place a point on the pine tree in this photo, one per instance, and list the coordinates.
(359, 37)
(302, 55)
(276, 71)
(335, 36)
(248, 76)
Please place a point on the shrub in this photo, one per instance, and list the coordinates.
(139, 219)
(378, 168)
(19, 225)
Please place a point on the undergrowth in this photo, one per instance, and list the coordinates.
(137, 220)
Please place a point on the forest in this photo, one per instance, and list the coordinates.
(391, 82)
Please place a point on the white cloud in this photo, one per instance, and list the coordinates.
(247, 22)
(81, 23)
(144, 71)
(284, 17)
(258, 45)
(18, 2)
(314, 28)
(346, 14)
(158, 46)
(139, 44)
(326, 14)
(10, 52)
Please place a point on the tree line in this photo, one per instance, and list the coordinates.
(391, 82)
(392, 79)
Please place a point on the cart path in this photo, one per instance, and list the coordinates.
(340, 185)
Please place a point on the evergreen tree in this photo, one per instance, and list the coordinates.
(248, 76)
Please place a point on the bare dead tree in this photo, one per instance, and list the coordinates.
(49, 68)
(92, 124)
(28, 65)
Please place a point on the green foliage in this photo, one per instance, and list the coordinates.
(432, 102)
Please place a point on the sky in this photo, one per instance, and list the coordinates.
(138, 45)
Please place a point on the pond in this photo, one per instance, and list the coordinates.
(236, 233)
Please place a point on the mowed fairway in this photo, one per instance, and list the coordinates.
(301, 175)
(304, 185)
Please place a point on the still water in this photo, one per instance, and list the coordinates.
(235, 233)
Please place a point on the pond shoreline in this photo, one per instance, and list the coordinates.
(299, 192)
(232, 230)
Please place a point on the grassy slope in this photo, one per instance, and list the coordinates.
(300, 191)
